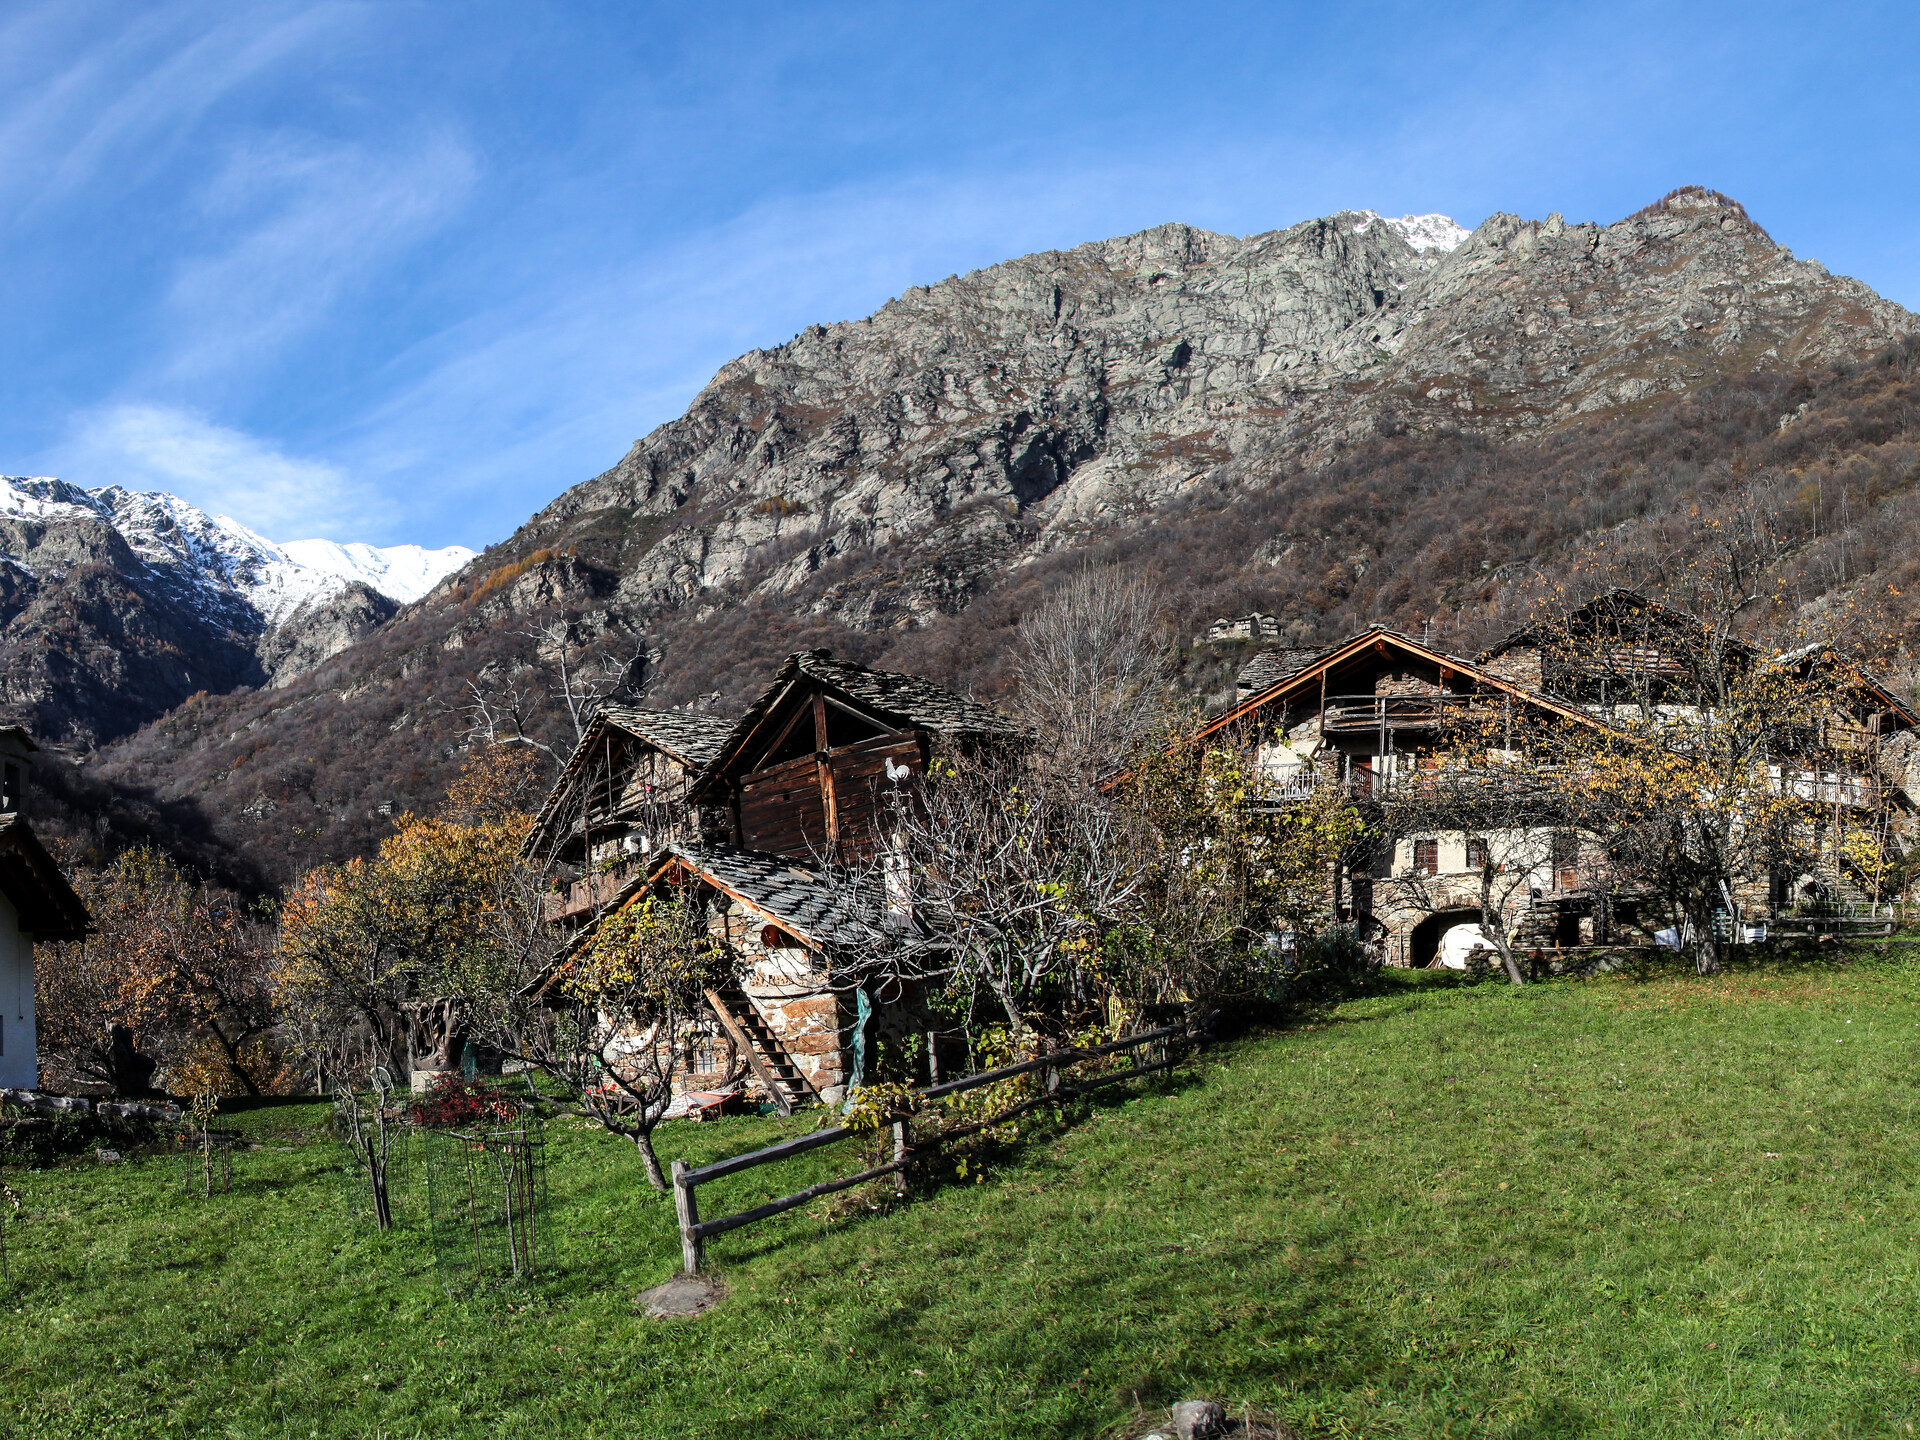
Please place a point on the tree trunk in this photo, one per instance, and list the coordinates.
(1706, 944)
(382, 1207)
(1707, 955)
(1494, 926)
(232, 1051)
(643, 1142)
(1512, 965)
(131, 1072)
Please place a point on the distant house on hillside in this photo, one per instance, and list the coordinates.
(36, 903)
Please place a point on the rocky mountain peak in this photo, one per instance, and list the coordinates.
(1004, 412)
(175, 600)
(1423, 233)
(1293, 424)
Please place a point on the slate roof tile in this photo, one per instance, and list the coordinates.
(691, 737)
(794, 893)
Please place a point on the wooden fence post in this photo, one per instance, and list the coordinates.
(901, 1147)
(688, 1210)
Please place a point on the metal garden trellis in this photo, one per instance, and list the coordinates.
(487, 1201)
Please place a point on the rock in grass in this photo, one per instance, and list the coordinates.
(685, 1295)
(1199, 1420)
(109, 1157)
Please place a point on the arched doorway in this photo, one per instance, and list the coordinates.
(1424, 943)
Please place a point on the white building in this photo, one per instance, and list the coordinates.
(36, 903)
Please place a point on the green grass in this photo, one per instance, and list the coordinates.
(1615, 1208)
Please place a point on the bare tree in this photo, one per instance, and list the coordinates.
(999, 878)
(370, 1125)
(579, 679)
(1231, 854)
(616, 1018)
(1095, 668)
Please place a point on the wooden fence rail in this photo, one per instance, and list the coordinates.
(694, 1231)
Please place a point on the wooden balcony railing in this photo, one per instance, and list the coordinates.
(1829, 787)
(583, 897)
(1359, 714)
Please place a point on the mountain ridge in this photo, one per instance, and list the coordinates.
(1283, 419)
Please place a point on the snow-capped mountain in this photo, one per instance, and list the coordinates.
(185, 546)
(1423, 232)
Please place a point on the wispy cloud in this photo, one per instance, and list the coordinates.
(92, 91)
(224, 471)
(299, 223)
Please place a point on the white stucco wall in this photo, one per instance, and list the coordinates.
(19, 1069)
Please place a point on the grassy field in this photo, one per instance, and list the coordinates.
(1614, 1207)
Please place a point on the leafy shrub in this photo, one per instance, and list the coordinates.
(453, 1101)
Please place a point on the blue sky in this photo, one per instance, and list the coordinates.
(405, 271)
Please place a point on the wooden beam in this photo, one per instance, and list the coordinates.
(823, 768)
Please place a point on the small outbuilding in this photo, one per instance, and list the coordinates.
(36, 903)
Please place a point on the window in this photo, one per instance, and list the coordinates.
(1426, 857)
(1476, 853)
(1566, 860)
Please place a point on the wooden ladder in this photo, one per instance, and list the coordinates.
(770, 1061)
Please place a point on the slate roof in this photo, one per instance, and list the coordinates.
(1374, 635)
(1271, 665)
(1649, 620)
(790, 892)
(908, 698)
(1868, 680)
(692, 738)
(686, 735)
(908, 701)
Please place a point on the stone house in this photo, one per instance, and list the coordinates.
(760, 837)
(1367, 713)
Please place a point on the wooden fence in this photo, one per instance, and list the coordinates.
(1162, 1047)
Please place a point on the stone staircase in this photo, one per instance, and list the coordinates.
(782, 1079)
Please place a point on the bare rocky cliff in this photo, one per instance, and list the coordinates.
(1016, 409)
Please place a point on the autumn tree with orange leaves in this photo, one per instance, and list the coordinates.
(366, 947)
(172, 983)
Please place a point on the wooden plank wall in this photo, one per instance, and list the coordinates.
(782, 809)
(860, 786)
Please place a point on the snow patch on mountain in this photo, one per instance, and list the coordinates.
(219, 556)
(1422, 232)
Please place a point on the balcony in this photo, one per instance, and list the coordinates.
(1828, 787)
(584, 897)
(1369, 714)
